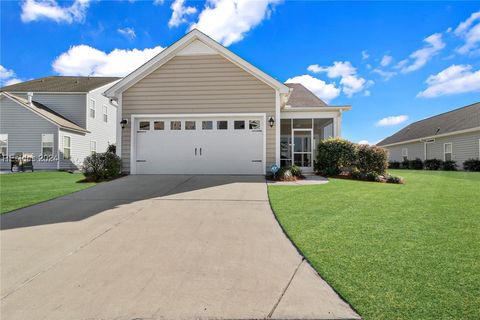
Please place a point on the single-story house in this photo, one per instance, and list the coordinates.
(198, 108)
(453, 135)
(57, 121)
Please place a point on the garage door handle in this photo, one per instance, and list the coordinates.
(195, 152)
(257, 161)
(200, 151)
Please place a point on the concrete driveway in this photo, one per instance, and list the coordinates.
(159, 247)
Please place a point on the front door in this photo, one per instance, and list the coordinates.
(302, 149)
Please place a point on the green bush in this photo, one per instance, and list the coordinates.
(371, 159)
(111, 148)
(296, 171)
(394, 165)
(334, 155)
(433, 164)
(102, 166)
(449, 165)
(405, 164)
(472, 165)
(416, 164)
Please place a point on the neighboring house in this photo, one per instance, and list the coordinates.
(454, 135)
(197, 108)
(57, 120)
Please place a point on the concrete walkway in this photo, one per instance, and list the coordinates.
(159, 247)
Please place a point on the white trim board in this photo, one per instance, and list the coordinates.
(171, 51)
(133, 130)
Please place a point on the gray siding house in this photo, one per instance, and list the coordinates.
(454, 135)
(57, 120)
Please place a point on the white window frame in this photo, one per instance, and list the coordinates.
(93, 150)
(69, 147)
(404, 154)
(5, 155)
(105, 113)
(445, 151)
(92, 107)
(43, 142)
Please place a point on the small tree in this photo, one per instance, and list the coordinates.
(334, 155)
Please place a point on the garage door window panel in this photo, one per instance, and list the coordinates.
(144, 125)
(254, 125)
(207, 125)
(239, 124)
(158, 125)
(175, 125)
(190, 125)
(222, 125)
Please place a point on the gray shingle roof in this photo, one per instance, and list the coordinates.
(60, 84)
(467, 117)
(46, 112)
(302, 97)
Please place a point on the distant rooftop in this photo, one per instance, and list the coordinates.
(60, 84)
(467, 117)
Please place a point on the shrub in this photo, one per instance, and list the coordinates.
(101, 166)
(371, 159)
(394, 165)
(296, 171)
(416, 164)
(405, 164)
(472, 165)
(449, 165)
(334, 155)
(111, 148)
(433, 164)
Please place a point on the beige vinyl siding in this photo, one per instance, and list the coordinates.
(198, 84)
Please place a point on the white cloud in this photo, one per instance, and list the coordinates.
(323, 90)
(367, 93)
(180, 13)
(227, 21)
(33, 10)
(386, 75)
(349, 80)
(419, 58)
(363, 142)
(158, 2)
(8, 76)
(127, 32)
(469, 30)
(386, 60)
(365, 55)
(83, 60)
(452, 80)
(391, 121)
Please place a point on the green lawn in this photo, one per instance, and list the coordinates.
(19, 190)
(392, 251)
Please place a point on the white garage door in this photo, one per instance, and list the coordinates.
(220, 145)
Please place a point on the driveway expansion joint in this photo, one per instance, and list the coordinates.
(285, 289)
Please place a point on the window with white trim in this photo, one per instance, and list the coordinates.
(47, 144)
(404, 154)
(93, 146)
(447, 152)
(105, 113)
(66, 147)
(3, 146)
(92, 106)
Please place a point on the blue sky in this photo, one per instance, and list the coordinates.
(395, 63)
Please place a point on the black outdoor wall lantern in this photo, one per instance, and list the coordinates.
(271, 121)
(123, 123)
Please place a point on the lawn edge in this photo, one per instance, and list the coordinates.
(34, 204)
(300, 252)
